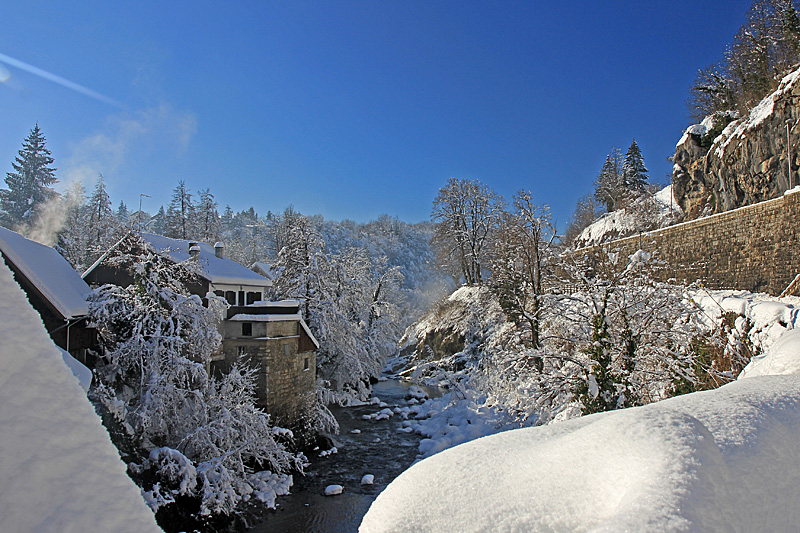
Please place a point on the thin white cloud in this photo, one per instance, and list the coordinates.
(56, 79)
(126, 136)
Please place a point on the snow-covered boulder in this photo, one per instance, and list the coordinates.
(59, 469)
(782, 358)
(721, 460)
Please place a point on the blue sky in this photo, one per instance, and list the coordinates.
(352, 109)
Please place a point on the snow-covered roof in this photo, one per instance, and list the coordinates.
(60, 470)
(265, 269)
(218, 271)
(243, 317)
(48, 271)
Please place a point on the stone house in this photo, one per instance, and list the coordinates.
(271, 337)
(54, 289)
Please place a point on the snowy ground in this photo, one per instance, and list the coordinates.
(719, 460)
(59, 469)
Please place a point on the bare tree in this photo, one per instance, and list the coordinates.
(467, 214)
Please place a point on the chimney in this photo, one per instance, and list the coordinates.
(219, 250)
(194, 251)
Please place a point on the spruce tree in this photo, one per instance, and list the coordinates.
(29, 185)
(634, 173)
(180, 220)
(609, 186)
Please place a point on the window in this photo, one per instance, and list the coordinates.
(247, 329)
(221, 294)
(230, 297)
(251, 297)
(305, 363)
(241, 298)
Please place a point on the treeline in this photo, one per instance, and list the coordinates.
(766, 46)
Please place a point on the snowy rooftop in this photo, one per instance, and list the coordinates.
(48, 271)
(60, 470)
(215, 269)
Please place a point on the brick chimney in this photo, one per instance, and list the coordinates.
(219, 249)
(194, 251)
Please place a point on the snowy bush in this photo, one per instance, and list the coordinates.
(198, 435)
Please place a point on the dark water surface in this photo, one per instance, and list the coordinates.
(379, 449)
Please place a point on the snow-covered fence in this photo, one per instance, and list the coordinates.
(756, 247)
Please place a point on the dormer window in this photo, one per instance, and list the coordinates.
(247, 329)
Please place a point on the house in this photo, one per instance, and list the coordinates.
(271, 336)
(54, 289)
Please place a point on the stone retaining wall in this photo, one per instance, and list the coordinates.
(756, 247)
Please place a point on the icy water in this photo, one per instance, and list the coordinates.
(379, 449)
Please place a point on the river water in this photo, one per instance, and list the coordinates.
(378, 449)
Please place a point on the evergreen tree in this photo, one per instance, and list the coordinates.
(609, 186)
(634, 173)
(180, 218)
(208, 219)
(29, 185)
(101, 217)
(123, 216)
(158, 223)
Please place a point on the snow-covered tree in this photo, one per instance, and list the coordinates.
(123, 216)
(180, 222)
(30, 183)
(634, 173)
(466, 215)
(609, 187)
(208, 220)
(197, 436)
(74, 240)
(524, 252)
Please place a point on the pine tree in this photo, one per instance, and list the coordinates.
(29, 185)
(159, 222)
(634, 173)
(180, 220)
(123, 216)
(609, 186)
(208, 219)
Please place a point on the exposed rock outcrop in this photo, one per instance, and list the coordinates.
(747, 161)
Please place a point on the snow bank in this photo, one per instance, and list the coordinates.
(59, 469)
(719, 460)
(783, 357)
(645, 214)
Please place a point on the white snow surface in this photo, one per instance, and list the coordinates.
(721, 460)
(48, 271)
(782, 358)
(627, 221)
(59, 469)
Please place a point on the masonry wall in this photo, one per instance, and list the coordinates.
(755, 248)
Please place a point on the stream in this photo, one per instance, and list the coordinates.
(378, 449)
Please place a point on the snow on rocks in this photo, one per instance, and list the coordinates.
(718, 460)
(60, 470)
(368, 479)
(326, 453)
(333, 490)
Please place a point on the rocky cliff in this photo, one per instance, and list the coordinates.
(717, 169)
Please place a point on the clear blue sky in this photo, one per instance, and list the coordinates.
(352, 109)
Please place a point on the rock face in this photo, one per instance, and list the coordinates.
(747, 161)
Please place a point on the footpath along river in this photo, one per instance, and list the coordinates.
(377, 448)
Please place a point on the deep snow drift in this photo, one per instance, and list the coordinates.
(721, 460)
(59, 469)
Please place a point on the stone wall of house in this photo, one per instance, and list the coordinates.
(285, 376)
(755, 248)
